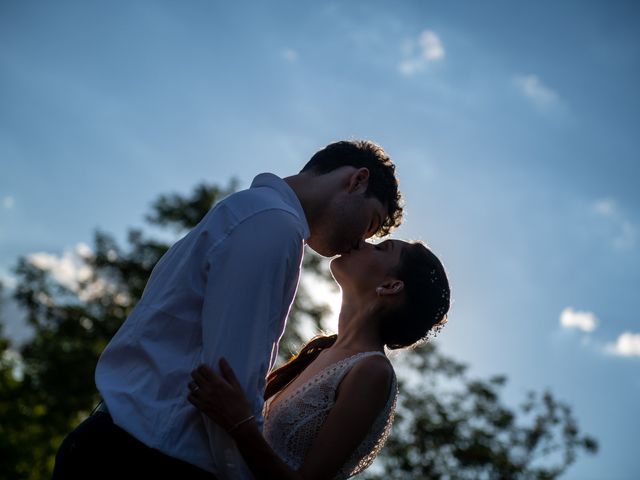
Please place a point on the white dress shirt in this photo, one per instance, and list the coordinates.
(223, 290)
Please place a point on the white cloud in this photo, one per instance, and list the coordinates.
(7, 280)
(83, 250)
(625, 234)
(410, 67)
(627, 345)
(420, 52)
(69, 269)
(585, 321)
(8, 202)
(431, 46)
(539, 94)
(626, 238)
(290, 55)
(605, 207)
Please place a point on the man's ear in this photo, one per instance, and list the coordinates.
(390, 287)
(359, 181)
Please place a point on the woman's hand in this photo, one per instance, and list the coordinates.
(220, 397)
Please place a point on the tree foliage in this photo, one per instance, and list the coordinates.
(447, 425)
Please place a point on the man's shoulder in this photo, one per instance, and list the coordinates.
(263, 196)
(258, 218)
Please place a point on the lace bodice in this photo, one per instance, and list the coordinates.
(293, 422)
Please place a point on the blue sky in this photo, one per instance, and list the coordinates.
(513, 127)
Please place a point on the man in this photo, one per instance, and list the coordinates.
(224, 290)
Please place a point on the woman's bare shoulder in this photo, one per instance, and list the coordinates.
(373, 374)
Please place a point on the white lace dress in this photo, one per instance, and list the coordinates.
(291, 425)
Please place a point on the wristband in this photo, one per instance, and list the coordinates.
(240, 423)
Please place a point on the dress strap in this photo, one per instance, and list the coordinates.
(331, 375)
(348, 363)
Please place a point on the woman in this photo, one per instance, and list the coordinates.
(328, 410)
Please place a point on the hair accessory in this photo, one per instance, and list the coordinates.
(434, 278)
(440, 317)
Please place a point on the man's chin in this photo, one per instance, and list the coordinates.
(326, 251)
(322, 251)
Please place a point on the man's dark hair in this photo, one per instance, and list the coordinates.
(383, 183)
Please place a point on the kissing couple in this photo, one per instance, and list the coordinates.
(187, 383)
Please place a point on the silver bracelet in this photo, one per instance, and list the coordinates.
(241, 422)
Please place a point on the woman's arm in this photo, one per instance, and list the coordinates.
(362, 394)
(224, 401)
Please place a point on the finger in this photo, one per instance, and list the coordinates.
(196, 402)
(204, 408)
(193, 386)
(203, 381)
(227, 372)
(205, 371)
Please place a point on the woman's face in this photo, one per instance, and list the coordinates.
(365, 269)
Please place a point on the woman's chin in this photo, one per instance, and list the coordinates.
(336, 266)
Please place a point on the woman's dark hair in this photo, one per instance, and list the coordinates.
(427, 299)
(383, 183)
(420, 316)
(278, 378)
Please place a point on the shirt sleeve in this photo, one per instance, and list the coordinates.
(251, 278)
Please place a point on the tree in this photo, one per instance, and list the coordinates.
(47, 386)
(449, 426)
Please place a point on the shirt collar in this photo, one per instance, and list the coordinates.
(273, 181)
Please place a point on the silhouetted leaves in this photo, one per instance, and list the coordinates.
(449, 426)
(183, 213)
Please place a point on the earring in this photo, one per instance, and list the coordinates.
(379, 290)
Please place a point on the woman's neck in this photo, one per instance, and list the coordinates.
(357, 332)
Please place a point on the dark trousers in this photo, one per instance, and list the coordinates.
(99, 449)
